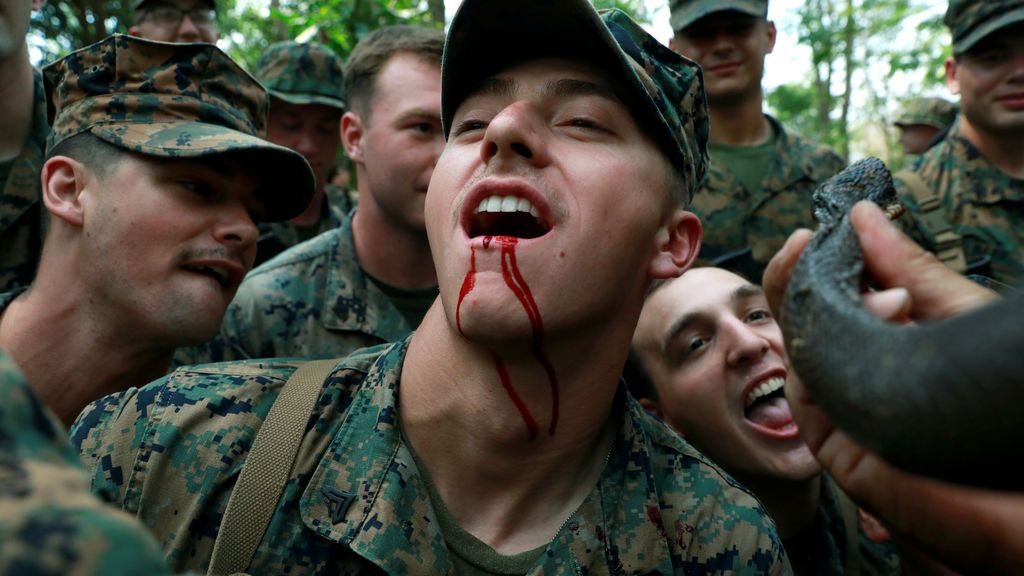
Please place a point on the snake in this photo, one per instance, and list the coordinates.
(940, 399)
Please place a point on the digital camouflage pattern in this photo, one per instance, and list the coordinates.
(743, 229)
(276, 237)
(937, 112)
(686, 12)
(50, 523)
(21, 211)
(311, 301)
(174, 100)
(971, 20)
(668, 87)
(357, 504)
(309, 73)
(984, 205)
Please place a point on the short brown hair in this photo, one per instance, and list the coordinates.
(376, 49)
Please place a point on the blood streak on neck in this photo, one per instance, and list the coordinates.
(515, 281)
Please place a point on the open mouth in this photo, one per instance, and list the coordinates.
(507, 216)
(221, 275)
(766, 404)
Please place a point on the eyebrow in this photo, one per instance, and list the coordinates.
(508, 87)
(686, 320)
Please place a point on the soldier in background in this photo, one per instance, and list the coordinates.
(154, 176)
(23, 131)
(923, 122)
(372, 279)
(967, 192)
(307, 98)
(175, 20)
(761, 176)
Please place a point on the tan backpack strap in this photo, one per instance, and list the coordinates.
(266, 470)
(948, 244)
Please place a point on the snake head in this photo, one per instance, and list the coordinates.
(866, 179)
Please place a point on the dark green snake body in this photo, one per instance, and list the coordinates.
(941, 399)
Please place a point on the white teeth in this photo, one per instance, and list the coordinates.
(764, 389)
(506, 204)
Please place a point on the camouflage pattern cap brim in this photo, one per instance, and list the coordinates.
(278, 168)
(175, 101)
(140, 3)
(303, 99)
(665, 91)
(970, 21)
(936, 112)
(686, 12)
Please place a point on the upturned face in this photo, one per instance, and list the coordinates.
(990, 80)
(165, 243)
(715, 354)
(546, 205)
(730, 47)
(14, 21)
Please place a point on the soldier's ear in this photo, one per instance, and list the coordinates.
(952, 82)
(63, 180)
(676, 245)
(352, 136)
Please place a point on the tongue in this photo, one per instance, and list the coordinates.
(773, 413)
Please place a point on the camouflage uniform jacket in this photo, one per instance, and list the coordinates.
(312, 301)
(983, 204)
(276, 237)
(736, 219)
(356, 503)
(49, 521)
(21, 218)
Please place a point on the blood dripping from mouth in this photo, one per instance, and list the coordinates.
(515, 281)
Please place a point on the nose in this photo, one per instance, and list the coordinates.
(306, 144)
(187, 30)
(745, 345)
(515, 135)
(236, 229)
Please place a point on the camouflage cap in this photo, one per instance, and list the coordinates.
(971, 20)
(136, 4)
(665, 89)
(303, 74)
(686, 12)
(936, 112)
(174, 101)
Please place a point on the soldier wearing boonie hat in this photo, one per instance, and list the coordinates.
(175, 20)
(154, 173)
(966, 193)
(761, 177)
(496, 438)
(306, 82)
(923, 122)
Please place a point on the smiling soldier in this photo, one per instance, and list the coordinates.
(154, 175)
(498, 438)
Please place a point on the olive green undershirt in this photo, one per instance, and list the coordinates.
(411, 304)
(748, 164)
(471, 556)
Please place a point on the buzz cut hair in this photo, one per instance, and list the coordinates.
(374, 51)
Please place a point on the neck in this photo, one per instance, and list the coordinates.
(509, 490)
(793, 504)
(56, 339)
(17, 94)
(739, 122)
(393, 254)
(1002, 149)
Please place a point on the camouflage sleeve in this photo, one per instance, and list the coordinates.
(49, 521)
